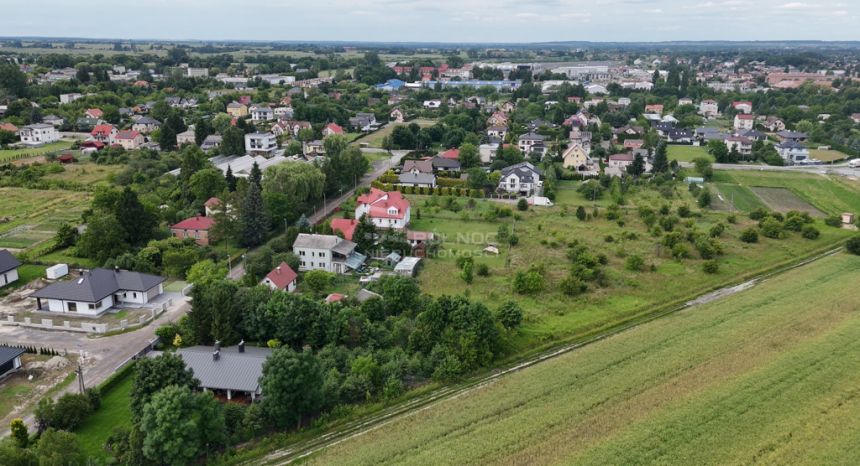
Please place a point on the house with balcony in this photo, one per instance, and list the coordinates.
(261, 144)
(327, 252)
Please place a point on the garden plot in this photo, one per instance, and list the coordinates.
(784, 200)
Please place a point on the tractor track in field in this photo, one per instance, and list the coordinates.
(352, 429)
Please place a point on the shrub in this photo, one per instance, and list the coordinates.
(758, 214)
(704, 199)
(833, 221)
(529, 282)
(572, 285)
(483, 270)
(635, 263)
(716, 230)
(711, 267)
(853, 245)
(684, 211)
(522, 204)
(772, 228)
(514, 239)
(580, 213)
(750, 235)
(810, 232)
(510, 315)
(732, 218)
(680, 251)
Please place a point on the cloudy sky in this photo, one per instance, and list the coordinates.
(435, 20)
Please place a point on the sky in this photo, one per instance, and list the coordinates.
(435, 20)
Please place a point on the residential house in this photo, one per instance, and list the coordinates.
(741, 144)
(332, 129)
(196, 228)
(213, 141)
(10, 360)
(146, 125)
(346, 226)
(498, 132)
(54, 121)
(38, 134)
(684, 101)
(432, 104)
(104, 133)
(576, 158)
(128, 139)
(384, 209)
(234, 373)
(186, 137)
(97, 290)
(522, 179)
(212, 206)
(261, 143)
(417, 180)
(8, 268)
(680, 136)
(261, 113)
(744, 121)
(855, 117)
(744, 106)
(69, 98)
(237, 110)
(498, 119)
(313, 148)
(418, 166)
(654, 108)
(283, 113)
(364, 122)
(633, 144)
(327, 252)
(281, 278)
(451, 154)
(774, 124)
(94, 113)
(9, 127)
(709, 108)
(446, 164)
(793, 152)
(791, 136)
(397, 115)
(532, 143)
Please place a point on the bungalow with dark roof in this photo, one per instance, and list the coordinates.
(195, 227)
(8, 268)
(98, 290)
(10, 360)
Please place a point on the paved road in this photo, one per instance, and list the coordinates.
(837, 169)
(324, 210)
(101, 356)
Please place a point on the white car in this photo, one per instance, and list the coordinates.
(854, 163)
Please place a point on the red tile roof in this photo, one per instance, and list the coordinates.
(380, 201)
(345, 226)
(334, 297)
(744, 116)
(127, 134)
(212, 202)
(102, 130)
(94, 112)
(194, 223)
(334, 127)
(452, 154)
(282, 276)
(9, 127)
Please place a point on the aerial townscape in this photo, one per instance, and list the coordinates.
(261, 252)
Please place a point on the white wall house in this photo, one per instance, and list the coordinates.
(792, 152)
(98, 290)
(522, 178)
(326, 252)
(38, 134)
(261, 143)
(8, 268)
(261, 113)
(384, 209)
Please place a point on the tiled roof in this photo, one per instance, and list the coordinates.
(282, 276)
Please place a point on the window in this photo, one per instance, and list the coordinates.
(73, 307)
(322, 254)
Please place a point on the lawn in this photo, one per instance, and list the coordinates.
(64, 256)
(741, 197)
(544, 234)
(765, 376)
(11, 154)
(827, 155)
(375, 139)
(829, 194)
(86, 173)
(32, 216)
(688, 153)
(115, 411)
(26, 274)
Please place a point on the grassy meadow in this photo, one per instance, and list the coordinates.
(544, 234)
(374, 139)
(829, 194)
(766, 376)
(32, 216)
(11, 154)
(684, 153)
(115, 411)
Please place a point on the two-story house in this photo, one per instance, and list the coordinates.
(384, 209)
(326, 252)
(532, 143)
(744, 121)
(522, 178)
(261, 113)
(38, 134)
(261, 144)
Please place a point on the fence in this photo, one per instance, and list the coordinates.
(84, 326)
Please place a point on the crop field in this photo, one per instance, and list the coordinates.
(829, 194)
(30, 216)
(784, 200)
(544, 234)
(684, 153)
(11, 154)
(766, 376)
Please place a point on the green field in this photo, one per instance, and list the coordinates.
(767, 376)
(375, 139)
(10, 154)
(115, 411)
(86, 173)
(740, 196)
(30, 216)
(827, 155)
(829, 194)
(552, 316)
(688, 153)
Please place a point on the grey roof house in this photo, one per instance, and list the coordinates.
(10, 360)
(8, 267)
(522, 178)
(421, 180)
(97, 290)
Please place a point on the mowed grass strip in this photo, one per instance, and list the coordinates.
(687, 153)
(768, 375)
(114, 411)
(829, 194)
(740, 196)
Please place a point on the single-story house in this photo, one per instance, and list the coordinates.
(195, 227)
(98, 290)
(10, 360)
(230, 372)
(8, 267)
(282, 278)
(420, 180)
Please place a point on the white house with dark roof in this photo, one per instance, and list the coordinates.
(10, 360)
(522, 178)
(8, 268)
(97, 290)
(792, 151)
(38, 134)
(326, 252)
(532, 142)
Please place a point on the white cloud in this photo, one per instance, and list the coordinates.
(796, 6)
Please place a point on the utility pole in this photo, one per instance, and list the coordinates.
(80, 372)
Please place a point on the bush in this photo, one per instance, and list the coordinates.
(483, 270)
(750, 235)
(572, 285)
(684, 211)
(732, 218)
(759, 214)
(716, 230)
(833, 221)
(853, 245)
(680, 251)
(772, 228)
(711, 267)
(530, 282)
(704, 199)
(635, 263)
(510, 315)
(523, 204)
(810, 232)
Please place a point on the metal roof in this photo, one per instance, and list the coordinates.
(8, 354)
(98, 284)
(231, 371)
(310, 241)
(8, 261)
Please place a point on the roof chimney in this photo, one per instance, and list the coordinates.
(217, 345)
(216, 355)
(279, 270)
(242, 346)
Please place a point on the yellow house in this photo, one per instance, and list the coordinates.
(237, 110)
(575, 157)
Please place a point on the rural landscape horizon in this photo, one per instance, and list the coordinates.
(542, 232)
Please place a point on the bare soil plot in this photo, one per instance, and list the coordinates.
(784, 200)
